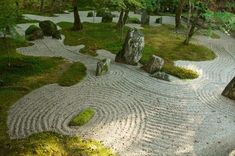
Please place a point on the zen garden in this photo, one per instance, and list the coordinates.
(117, 78)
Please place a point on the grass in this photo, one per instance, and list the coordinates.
(161, 41)
(83, 117)
(73, 75)
(25, 74)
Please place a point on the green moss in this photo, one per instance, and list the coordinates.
(83, 117)
(94, 36)
(163, 42)
(73, 75)
(45, 144)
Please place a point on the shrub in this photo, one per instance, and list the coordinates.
(90, 14)
(33, 32)
(133, 20)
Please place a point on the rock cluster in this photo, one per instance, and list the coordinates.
(103, 67)
(132, 49)
(161, 76)
(229, 91)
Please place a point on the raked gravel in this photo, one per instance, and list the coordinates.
(136, 114)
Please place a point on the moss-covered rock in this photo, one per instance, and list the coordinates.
(50, 29)
(33, 32)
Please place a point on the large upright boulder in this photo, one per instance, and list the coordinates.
(145, 18)
(33, 32)
(50, 29)
(132, 49)
(103, 67)
(229, 91)
(155, 64)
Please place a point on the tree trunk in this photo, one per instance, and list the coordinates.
(178, 14)
(125, 17)
(42, 6)
(190, 34)
(120, 20)
(77, 21)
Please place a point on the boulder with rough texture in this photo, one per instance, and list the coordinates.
(161, 76)
(145, 18)
(103, 67)
(50, 29)
(33, 32)
(132, 49)
(155, 64)
(229, 91)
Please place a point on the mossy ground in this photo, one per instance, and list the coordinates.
(25, 74)
(161, 41)
(83, 117)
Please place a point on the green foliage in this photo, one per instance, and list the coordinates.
(133, 20)
(73, 75)
(90, 14)
(8, 16)
(83, 117)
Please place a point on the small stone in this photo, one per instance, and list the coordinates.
(132, 49)
(161, 76)
(103, 67)
(229, 91)
(155, 64)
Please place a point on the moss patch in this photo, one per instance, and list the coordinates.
(73, 75)
(83, 117)
(94, 36)
(44, 144)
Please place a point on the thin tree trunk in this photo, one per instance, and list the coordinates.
(120, 20)
(190, 34)
(125, 17)
(179, 13)
(189, 12)
(77, 21)
(42, 6)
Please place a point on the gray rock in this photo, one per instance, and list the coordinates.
(229, 91)
(155, 64)
(132, 49)
(103, 67)
(161, 76)
(145, 18)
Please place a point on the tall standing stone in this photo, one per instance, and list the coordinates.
(132, 49)
(103, 67)
(229, 91)
(145, 18)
